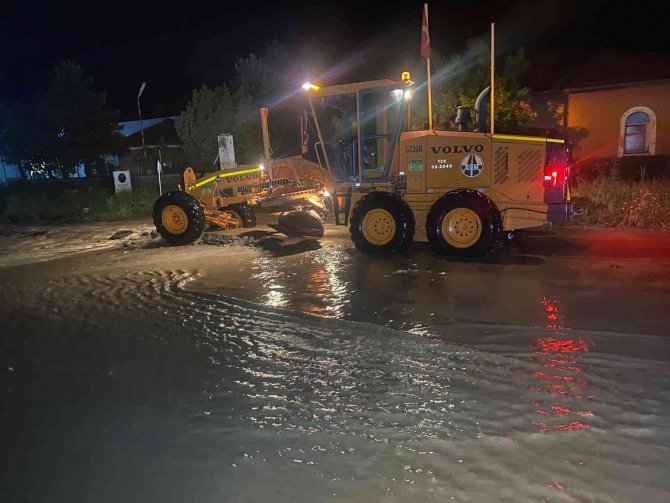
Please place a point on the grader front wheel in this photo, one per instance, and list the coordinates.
(179, 218)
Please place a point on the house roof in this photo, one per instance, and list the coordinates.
(160, 132)
(582, 69)
(129, 128)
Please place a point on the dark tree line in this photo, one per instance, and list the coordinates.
(69, 123)
(65, 125)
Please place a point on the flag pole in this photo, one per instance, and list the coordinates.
(430, 97)
(493, 76)
(425, 51)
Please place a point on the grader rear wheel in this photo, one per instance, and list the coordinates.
(461, 227)
(378, 226)
(381, 222)
(464, 223)
(179, 218)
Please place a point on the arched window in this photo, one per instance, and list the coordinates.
(637, 132)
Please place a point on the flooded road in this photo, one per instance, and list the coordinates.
(229, 374)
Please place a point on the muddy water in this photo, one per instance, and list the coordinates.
(133, 387)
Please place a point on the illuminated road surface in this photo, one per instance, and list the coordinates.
(537, 375)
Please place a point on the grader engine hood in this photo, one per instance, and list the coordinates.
(508, 169)
(437, 161)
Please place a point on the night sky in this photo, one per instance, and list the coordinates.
(178, 47)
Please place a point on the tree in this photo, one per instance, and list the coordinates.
(260, 81)
(67, 124)
(79, 127)
(268, 80)
(210, 113)
(19, 139)
(266, 76)
(459, 80)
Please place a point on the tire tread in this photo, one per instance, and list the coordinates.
(194, 212)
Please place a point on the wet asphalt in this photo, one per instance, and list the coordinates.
(593, 279)
(315, 373)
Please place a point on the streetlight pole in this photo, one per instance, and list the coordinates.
(139, 111)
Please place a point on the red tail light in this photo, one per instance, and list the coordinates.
(551, 176)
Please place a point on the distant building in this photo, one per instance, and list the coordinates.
(8, 172)
(160, 142)
(623, 121)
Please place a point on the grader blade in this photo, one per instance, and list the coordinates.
(303, 222)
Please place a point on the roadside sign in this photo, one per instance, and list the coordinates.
(122, 181)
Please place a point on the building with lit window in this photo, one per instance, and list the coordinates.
(623, 122)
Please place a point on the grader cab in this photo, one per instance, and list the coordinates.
(459, 190)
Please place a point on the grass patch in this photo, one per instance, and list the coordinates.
(74, 205)
(611, 202)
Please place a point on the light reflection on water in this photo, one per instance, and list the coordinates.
(277, 399)
(562, 380)
(317, 287)
(332, 284)
(559, 388)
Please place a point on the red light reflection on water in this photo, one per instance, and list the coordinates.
(562, 377)
(575, 425)
(555, 485)
(560, 382)
(550, 344)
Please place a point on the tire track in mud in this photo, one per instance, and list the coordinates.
(360, 400)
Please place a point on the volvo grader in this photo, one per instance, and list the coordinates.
(226, 198)
(459, 190)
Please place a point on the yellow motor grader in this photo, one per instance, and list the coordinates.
(227, 198)
(459, 190)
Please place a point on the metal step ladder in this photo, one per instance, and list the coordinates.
(342, 210)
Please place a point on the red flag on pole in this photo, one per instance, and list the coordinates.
(425, 36)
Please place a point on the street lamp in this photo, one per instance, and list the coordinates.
(139, 111)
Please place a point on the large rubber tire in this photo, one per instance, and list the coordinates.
(395, 238)
(193, 212)
(472, 201)
(244, 212)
